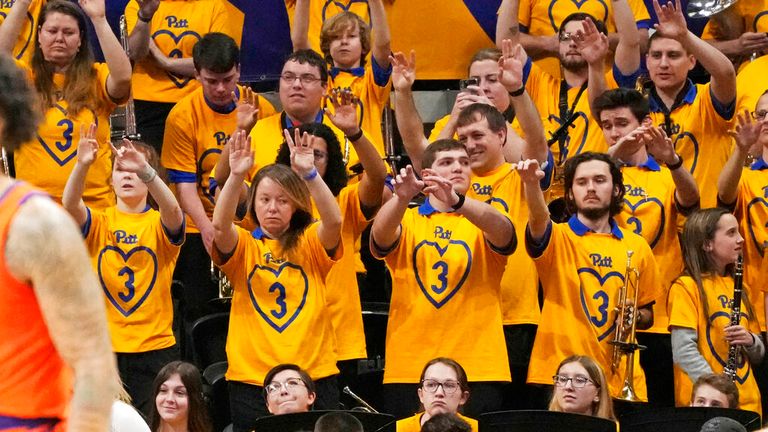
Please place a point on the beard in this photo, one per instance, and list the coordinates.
(573, 65)
(595, 213)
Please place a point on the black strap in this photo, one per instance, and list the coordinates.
(567, 116)
(668, 123)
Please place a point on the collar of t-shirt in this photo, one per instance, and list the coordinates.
(580, 229)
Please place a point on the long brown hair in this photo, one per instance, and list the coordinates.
(699, 229)
(296, 190)
(603, 408)
(198, 419)
(80, 83)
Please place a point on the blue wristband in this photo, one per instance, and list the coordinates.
(312, 174)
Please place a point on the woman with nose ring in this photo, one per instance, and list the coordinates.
(705, 337)
(581, 388)
(444, 389)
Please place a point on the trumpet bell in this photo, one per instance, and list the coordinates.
(707, 8)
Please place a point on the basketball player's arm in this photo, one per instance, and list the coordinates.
(119, 79)
(12, 25)
(46, 249)
(381, 47)
(300, 25)
(408, 119)
(138, 40)
(508, 27)
(685, 353)
(538, 212)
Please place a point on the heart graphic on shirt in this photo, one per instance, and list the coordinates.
(435, 278)
(650, 213)
(596, 8)
(176, 52)
(760, 23)
(27, 37)
(332, 8)
(208, 160)
(598, 307)
(573, 145)
(278, 292)
(128, 294)
(686, 143)
(756, 213)
(722, 319)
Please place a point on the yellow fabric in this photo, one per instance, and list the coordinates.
(581, 277)
(503, 189)
(445, 293)
(135, 260)
(686, 310)
(343, 297)
(47, 161)
(278, 307)
(267, 136)
(373, 99)
(194, 136)
(751, 82)
(413, 424)
(175, 28)
(25, 43)
(752, 213)
(702, 139)
(649, 210)
(754, 15)
(543, 18)
(321, 10)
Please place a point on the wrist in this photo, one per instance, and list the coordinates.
(678, 162)
(147, 174)
(309, 176)
(144, 18)
(459, 203)
(355, 136)
(518, 92)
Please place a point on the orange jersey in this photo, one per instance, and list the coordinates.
(35, 383)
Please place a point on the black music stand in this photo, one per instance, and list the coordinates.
(305, 422)
(684, 419)
(543, 421)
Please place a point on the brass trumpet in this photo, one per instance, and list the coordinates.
(365, 407)
(624, 341)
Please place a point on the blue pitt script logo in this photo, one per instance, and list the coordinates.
(174, 22)
(634, 191)
(125, 238)
(601, 261)
(442, 233)
(221, 138)
(269, 259)
(479, 189)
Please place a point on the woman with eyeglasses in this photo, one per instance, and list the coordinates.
(581, 388)
(444, 389)
(288, 389)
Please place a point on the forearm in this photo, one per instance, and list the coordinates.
(170, 211)
(507, 25)
(138, 41)
(116, 59)
(370, 188)
(627, 56)
(300, 25)
(723, 75)
(535, 144)
(181, 66)
(410, 126)
(72, 197)
(686, 189)
(756, 351)
(539, 46)
(329, 231)
(685, 353)
(222, 170)
(12, 25)
(596, 85)
(190, 203)
(538, 212)
(386, 227)
(380, 33)
(728, 182)
(498, 229)
(226, 205)
(449, 129)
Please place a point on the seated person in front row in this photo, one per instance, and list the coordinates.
(581, 388)
(444, 389)
(446, 422)
(288, 389)
(338, 421)
(715, 390)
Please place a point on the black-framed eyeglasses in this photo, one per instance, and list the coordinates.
(759, 115)
(290, 384)
(449, 387)
(577, 382)
(306, 79)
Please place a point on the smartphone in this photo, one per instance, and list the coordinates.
(465, 83)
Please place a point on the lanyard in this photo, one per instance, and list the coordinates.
(668, 125)
(567, 117)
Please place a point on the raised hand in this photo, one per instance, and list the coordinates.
(511, 65)
(659, 145)
(147, 8)
(247, 109)
(93, 8)
(671, 19)
(529, 171)
(302, 151)
(630, 143)
(746, 133)
(406, 184)
(438, 186)
(403, 70)
(128, 159)
(344, 115)
(592, 44)
(240, 153)
(87, 147)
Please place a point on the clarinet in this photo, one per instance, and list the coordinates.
(734, 352)
(130, 114)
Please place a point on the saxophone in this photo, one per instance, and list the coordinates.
(734, 352)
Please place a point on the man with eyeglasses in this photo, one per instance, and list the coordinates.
(288, 389)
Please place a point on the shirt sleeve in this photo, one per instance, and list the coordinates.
(178, 152)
